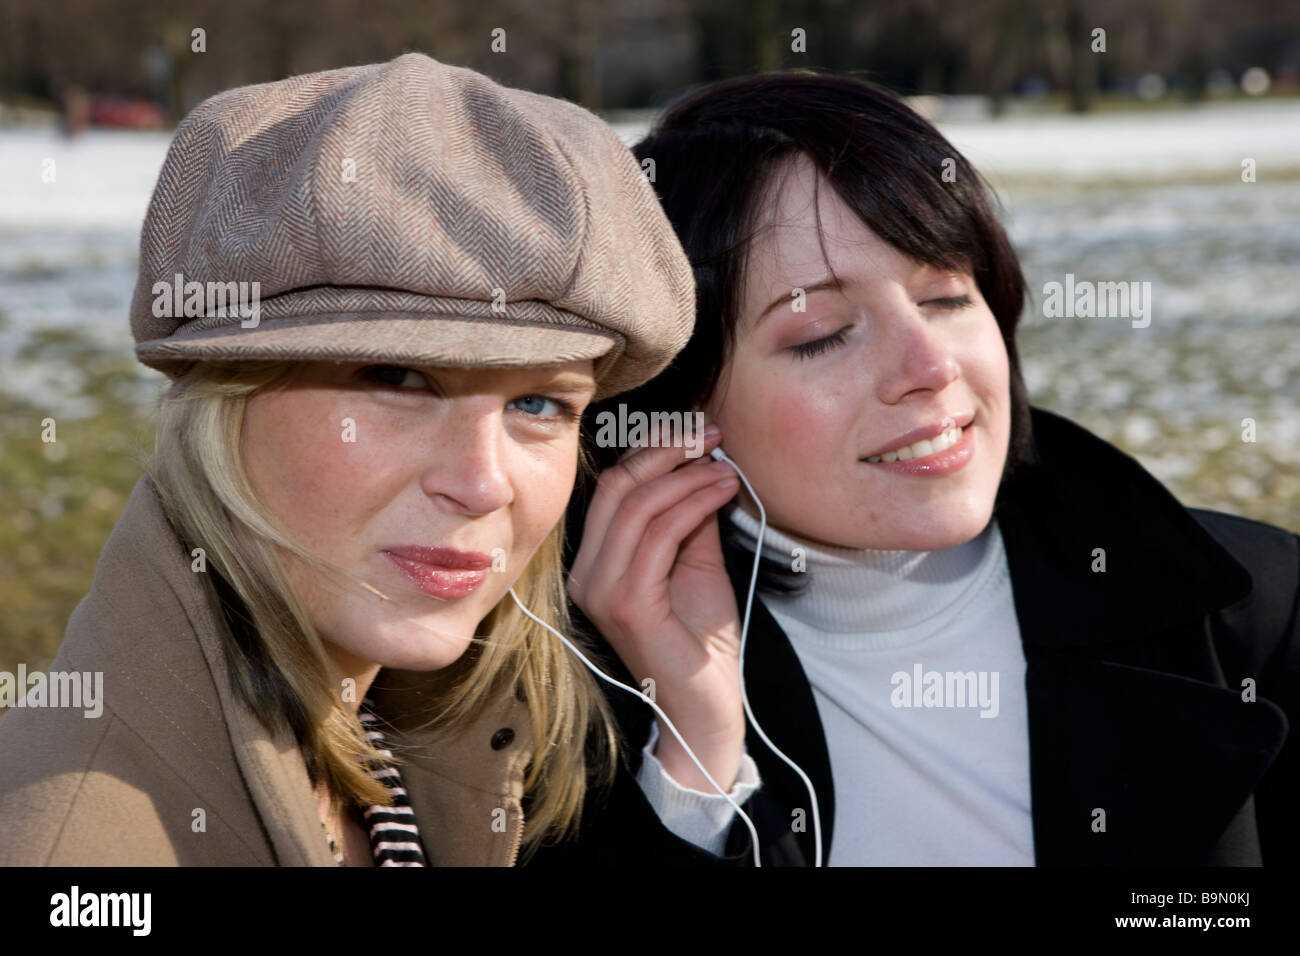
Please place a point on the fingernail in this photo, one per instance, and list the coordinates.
(712, 431)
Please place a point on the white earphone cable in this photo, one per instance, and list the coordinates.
(753, 833)
(721, 455)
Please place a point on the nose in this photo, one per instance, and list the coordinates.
(467, 474)
(918, 356)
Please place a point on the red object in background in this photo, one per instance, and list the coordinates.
(129, 114)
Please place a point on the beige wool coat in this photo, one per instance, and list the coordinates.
(177, 771)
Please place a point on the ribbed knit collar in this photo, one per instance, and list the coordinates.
(879, 598)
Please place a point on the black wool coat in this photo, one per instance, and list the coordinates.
(1162, 690)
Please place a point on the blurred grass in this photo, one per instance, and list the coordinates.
(61, 499)
(1177, 406)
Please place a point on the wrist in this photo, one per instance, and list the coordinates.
(721, 758)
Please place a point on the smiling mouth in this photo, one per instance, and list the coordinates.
(921, 449)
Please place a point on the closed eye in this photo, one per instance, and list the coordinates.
(951, 302)
(817, 346)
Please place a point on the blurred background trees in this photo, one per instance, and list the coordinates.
(615, 54)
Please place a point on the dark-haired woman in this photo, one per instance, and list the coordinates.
(987, 636)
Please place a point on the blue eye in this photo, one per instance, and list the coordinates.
(536, 405)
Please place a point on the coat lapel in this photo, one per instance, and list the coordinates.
(1139, 753)
(151, 626)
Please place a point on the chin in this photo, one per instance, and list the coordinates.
(415, 645)
(961, 528)
(955, 527)
(430, 659)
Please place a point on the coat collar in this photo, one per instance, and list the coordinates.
(1085, 494)
(1132, 724)
(1120, 665)
(150, 625)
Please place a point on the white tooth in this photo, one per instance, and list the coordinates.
(940, 442)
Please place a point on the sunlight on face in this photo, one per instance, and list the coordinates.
(360, 461)
(808, 395)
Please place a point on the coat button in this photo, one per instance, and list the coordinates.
(502, 738)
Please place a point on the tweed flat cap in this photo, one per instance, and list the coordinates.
(407, 212)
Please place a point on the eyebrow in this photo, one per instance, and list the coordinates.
(836, 284)
(822, 285)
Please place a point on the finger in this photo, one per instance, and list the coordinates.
(607, 557)
(644, 504)
(635, 469)
(665, 542)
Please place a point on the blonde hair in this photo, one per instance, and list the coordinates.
(278, 661)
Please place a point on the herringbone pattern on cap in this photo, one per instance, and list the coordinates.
(464, 192)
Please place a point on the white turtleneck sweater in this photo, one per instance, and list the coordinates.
(918, 672)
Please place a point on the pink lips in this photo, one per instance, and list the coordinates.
(940, 463)
(441, 572)
(925, 431)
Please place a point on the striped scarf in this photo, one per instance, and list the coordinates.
(394, 837)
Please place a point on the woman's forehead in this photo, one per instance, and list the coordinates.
(807, 237)
(798, 250)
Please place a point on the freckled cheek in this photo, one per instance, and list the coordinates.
(322, 486)
(987, 357)
(991, 380)
(543, 487)
(806, 424)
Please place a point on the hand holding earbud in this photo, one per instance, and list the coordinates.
(649, 573)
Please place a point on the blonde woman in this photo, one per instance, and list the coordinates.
(305, 621)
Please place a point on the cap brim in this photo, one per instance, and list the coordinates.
(430, 340)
